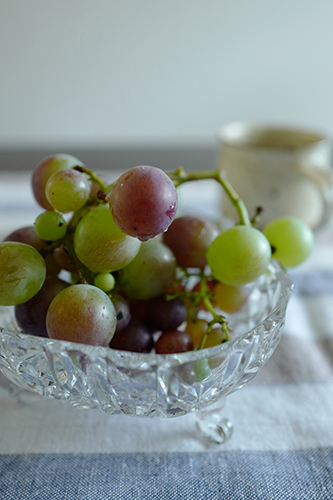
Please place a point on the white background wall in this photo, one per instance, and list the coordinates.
(126, 72)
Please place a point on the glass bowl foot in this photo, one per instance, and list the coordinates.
(214, 427)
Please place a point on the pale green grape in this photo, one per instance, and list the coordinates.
(67, 190)
(22, 273)
(100, 245)
(151, 273)
(239, 255)
(291, 239)
(50, 226)
(81, 313)
(104, 281)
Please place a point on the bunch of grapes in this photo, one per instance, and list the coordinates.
(116, 265)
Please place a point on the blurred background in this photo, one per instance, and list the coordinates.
(119, 83)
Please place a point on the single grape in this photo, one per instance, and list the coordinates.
(43, 171)
(215, 337)
(173, 342)
(196, 329)
(22, 272)
(163, 314)
(123, 311)
(202, 369)
(189, 237)
(135, 337)
(100, 245)
(239, 255)
(143, 202)
(229, 299)
(50, 226)
(104, 281)
(150, 273)
(67, 190)
(291, 239)
(31, 315)
(83, 314)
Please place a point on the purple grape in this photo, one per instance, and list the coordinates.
(163, 314)
(27, 235)
(135, 337)
(189, 237)
(173, 342)
(143, 202)
(31, 315)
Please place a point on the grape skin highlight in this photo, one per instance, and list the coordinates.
(143, 202)
(83, 314)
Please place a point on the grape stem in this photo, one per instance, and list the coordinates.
(85, 276)
(93, 176)
(204, 295)
(180, 177)
(217, 318)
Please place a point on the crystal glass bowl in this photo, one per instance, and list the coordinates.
(150, 385)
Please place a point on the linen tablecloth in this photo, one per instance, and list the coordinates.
(282, 445)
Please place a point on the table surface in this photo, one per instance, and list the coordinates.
(282, 445)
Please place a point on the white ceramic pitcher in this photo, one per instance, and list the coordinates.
(284, 170)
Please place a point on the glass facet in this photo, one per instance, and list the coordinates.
(150, 385)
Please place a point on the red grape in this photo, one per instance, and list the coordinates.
(143, 202)
(189, 237)
(81, 313)
(173, 341)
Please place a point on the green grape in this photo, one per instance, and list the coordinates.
(22, 273)
(151, 273)
(81, 313)
(105, 281)
(215, 337)
(291, 239)
(100, 245)
(50, 226)
(239, 255)
(229, 298)
(202, 369)
(67, 190)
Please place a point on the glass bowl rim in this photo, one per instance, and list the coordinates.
(151, 358)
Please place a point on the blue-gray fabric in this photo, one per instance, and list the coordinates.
(248, 475)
